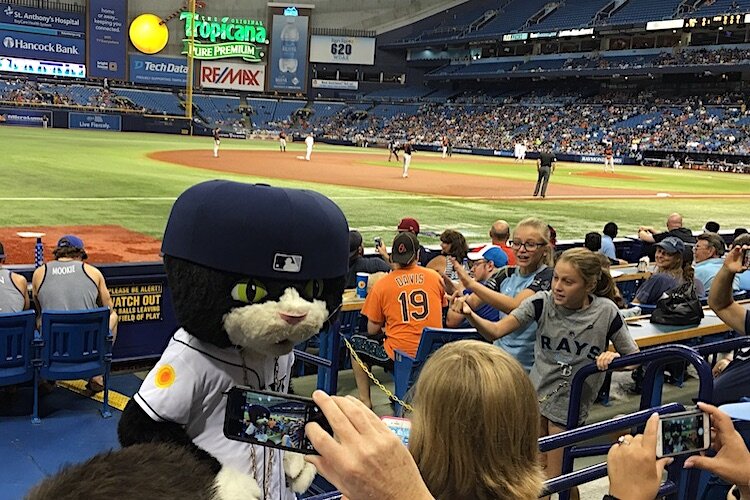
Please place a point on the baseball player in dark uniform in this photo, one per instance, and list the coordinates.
(393, 147)
(545, 165)
(408, 149)
(609, 157)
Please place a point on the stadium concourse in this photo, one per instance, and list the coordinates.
(650, 82)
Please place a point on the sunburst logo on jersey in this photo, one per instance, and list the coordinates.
(165, 377)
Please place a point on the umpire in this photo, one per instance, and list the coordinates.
(545, 166)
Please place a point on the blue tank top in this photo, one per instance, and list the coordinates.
(519, 344)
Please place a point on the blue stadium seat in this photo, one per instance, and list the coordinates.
(644, 10)
(406, 369)
(571, 14)
(17, 353)
(76, 344)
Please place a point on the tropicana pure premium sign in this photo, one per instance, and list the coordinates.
(220, 38)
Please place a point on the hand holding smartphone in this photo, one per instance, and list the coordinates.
(683, 433)
(401, 427)
(271, 419)
(378, 241)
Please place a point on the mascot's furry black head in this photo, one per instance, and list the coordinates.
(254, 266)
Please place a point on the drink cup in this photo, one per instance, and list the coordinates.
(362, 285)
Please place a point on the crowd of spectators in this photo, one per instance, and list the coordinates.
(633, 122)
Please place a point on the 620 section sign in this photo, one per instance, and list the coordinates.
(220, 75)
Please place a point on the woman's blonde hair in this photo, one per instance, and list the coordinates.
(586, 262)
(543, 229)
(475, 425)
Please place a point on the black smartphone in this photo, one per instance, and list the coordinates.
(378, 241)
(271, 419)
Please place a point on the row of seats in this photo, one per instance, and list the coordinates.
(70, 345)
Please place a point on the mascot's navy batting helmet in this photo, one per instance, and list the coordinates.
(259, 230)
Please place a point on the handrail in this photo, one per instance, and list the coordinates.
(656, 358)
(659, 354)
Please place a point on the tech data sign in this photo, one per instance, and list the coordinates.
(221, 75)
(221, 38)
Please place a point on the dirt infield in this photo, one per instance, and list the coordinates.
(104, 244)
(352, 170)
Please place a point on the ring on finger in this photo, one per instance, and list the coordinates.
(622, 440)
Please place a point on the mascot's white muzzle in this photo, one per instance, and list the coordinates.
(275, 327)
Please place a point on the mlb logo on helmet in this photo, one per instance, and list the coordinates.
(287, 263)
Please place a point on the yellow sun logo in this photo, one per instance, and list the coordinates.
(164, 377)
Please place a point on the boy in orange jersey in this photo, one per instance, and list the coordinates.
(398, 308)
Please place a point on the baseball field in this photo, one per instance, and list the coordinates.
(115, 189)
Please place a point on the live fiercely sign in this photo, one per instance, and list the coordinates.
(137, 302)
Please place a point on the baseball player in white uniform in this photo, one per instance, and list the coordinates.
(309, 141)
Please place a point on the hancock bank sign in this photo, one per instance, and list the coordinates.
(221, 38)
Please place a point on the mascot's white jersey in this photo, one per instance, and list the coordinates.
(187, 385)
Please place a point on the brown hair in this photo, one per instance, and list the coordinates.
(588, 264)
(714, 241)
(475, 425)
(459, 247)
(69, 252)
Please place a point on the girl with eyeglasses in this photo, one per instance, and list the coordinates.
(511, 285)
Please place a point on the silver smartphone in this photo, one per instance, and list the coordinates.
(683, 433)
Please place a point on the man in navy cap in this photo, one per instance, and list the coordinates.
(68, 284)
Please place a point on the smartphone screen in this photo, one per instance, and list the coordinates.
(271, 419)
(746, 258)
(401, 427)
(683, 433)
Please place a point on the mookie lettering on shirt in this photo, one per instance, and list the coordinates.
(577, 348)
(410, 279)
(60, 271)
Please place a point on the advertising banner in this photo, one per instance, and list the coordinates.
(342, 49)
(91, 121)
(226, 37)
(221, 75)
(334, 84)
(288, 64)
(43, 68)
(24, 117)
(158, 70)
(34, 46)
(47, 22)
(107, 38)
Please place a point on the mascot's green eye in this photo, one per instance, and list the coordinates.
(249, 291)
(314, 289)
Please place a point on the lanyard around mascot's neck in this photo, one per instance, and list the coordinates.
(262, 385)
(275, 386)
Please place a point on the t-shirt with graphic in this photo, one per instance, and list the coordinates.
(520, 344)
(407, 300)
(187, 387)
(567, 340)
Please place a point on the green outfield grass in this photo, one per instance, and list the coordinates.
(56, 177)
